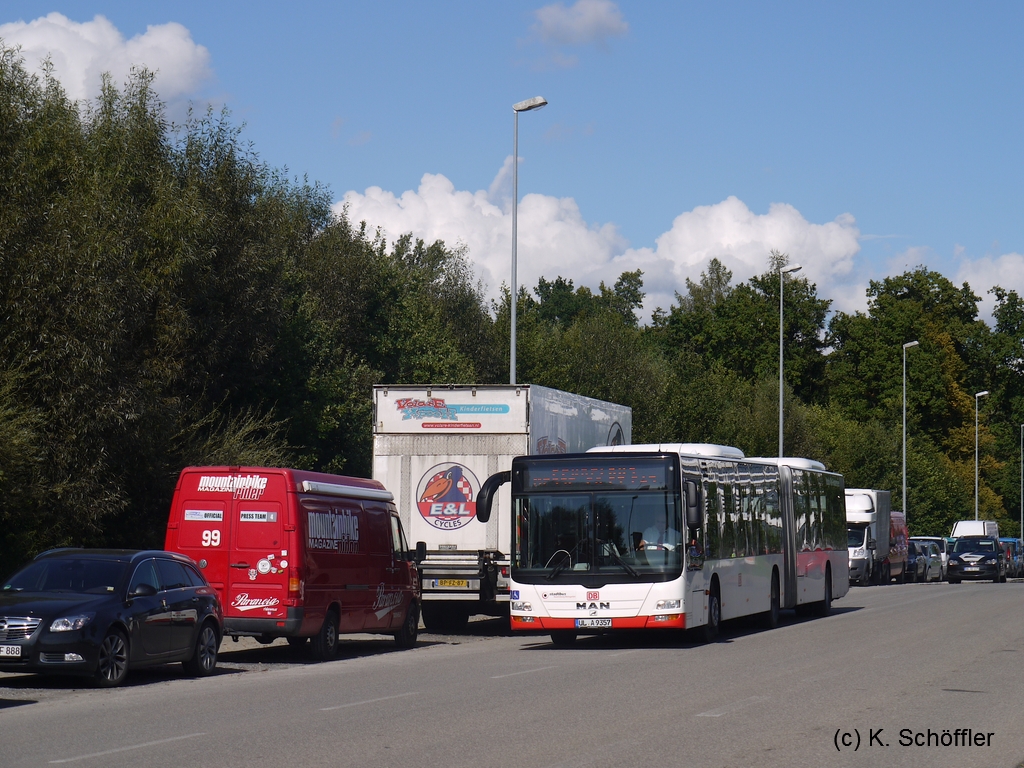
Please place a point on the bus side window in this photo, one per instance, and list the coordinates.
(713, 521)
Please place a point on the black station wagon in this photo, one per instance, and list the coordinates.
(101, 612)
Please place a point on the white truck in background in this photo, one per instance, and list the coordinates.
(868, 518)
(975, 528)
(432, 448)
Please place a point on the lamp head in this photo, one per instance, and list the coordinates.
(910, 344)
(530, 104)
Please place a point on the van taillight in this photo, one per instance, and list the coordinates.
(294, 582)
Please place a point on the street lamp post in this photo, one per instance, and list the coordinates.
(1022, 481)
(977, 395)
(906, 507)
(523, 106)
(782, 272)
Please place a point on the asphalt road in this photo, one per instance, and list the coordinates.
(889, 666)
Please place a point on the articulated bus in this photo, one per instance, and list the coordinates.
(675, 535)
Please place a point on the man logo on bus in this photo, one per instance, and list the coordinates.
(447, 496)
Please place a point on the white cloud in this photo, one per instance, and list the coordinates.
(554, 239)
(586, 21)
(1006, 271)
(82, 52)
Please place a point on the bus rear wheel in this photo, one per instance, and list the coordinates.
(825, 606)
(771, 616)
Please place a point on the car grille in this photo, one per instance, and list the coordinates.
(17, 629)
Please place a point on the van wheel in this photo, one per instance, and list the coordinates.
(204, 655)
(325, 642)
(406, 636)
(711, 629)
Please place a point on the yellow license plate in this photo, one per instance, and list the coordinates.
(452, 583)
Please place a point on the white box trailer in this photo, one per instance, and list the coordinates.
(432, 448)
(868, 523)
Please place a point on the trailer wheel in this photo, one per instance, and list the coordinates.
(443, 618)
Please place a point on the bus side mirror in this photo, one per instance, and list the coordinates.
(694, 510)
(486, 495)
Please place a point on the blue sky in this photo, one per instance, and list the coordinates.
(863, 138)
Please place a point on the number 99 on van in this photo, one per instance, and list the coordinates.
(211, 538)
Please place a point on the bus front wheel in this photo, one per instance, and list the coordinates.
(711, 629)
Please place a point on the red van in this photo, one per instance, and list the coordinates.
(298, 554)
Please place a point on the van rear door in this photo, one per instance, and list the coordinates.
(258, 555)
(198, 527)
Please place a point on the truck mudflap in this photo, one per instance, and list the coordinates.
(256, 627)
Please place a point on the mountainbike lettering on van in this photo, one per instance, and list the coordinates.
(244, 487)
(334, 531)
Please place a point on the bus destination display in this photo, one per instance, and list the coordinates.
(631, 475)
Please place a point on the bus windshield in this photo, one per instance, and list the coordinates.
(612, 534)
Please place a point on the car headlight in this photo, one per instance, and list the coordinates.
(953, 561)
(68, 623)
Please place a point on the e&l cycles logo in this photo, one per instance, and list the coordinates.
(446, 496)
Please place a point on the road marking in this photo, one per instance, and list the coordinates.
(370, 701)
(126, 749)
(524, 672)
(734, 707)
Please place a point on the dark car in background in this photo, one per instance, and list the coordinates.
(103, 612)
(917, 563)
(1012, 554)
(976, 557)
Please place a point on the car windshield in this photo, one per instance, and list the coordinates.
(974, 545)
(75, 575)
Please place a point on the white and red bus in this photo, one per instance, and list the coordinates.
(669, 536)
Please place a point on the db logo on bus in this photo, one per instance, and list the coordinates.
(446, 496)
